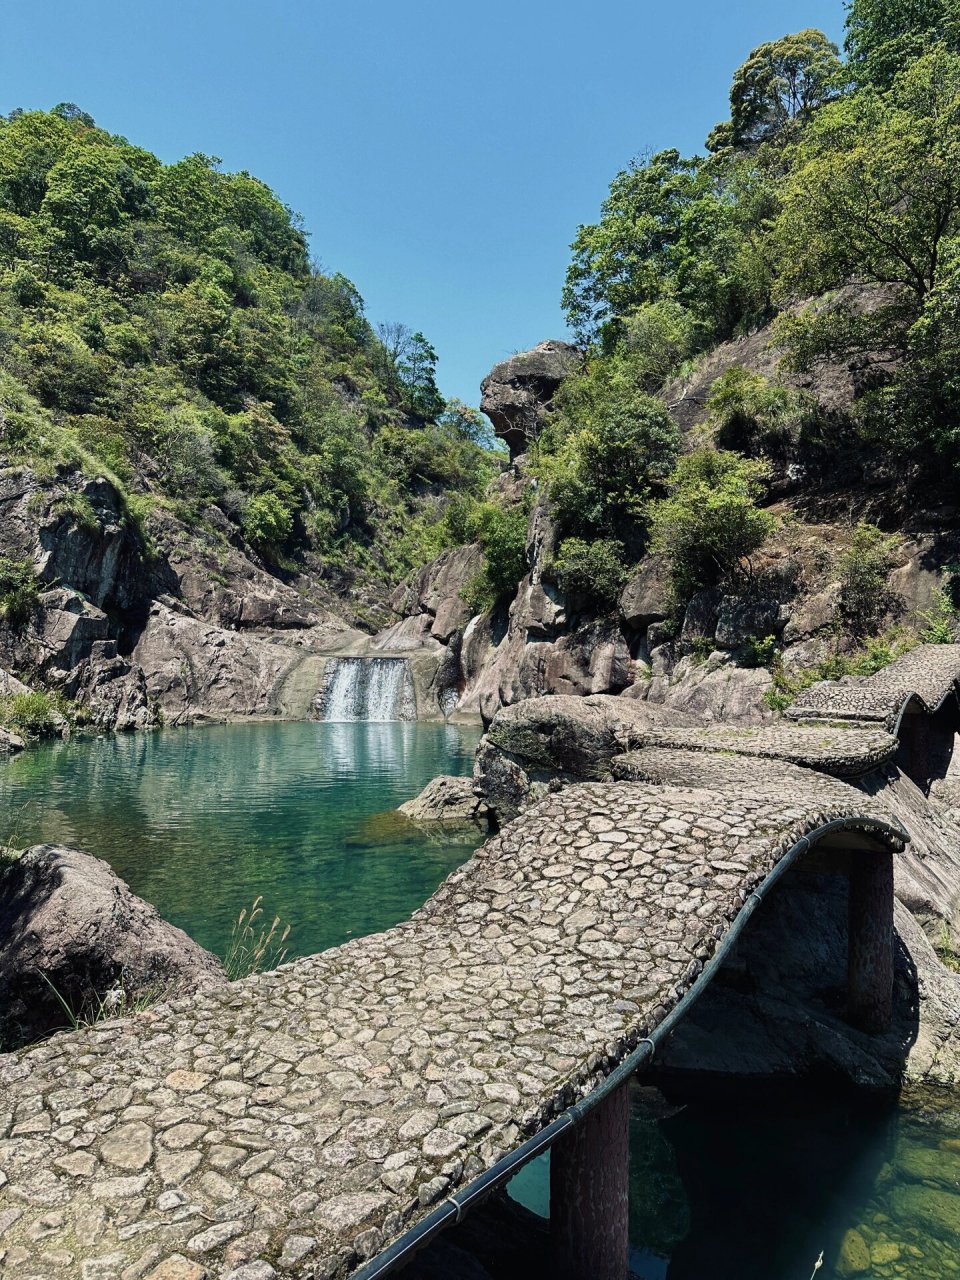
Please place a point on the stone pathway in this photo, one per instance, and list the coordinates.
(928, 673)
(294, 1123)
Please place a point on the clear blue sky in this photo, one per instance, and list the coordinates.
(441, 153)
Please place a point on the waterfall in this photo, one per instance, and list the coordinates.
(378, 689)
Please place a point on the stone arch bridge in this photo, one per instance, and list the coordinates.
(324, 1119)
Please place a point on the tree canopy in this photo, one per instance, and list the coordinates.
(782, 82)
(166, 321)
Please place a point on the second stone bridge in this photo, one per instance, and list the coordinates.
(327, 1117)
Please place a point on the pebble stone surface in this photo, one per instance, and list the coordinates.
(928, 673)
(837, 749)
(294, 1123)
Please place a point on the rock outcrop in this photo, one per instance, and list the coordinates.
(516, 394)
(72, 932)
(448, 801)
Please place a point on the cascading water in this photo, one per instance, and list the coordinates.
(377, 689)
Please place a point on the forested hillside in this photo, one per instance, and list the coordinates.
(824, 214)
(166, 325)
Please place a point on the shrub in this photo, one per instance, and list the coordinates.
(78, 509)
(502, 534)
(19, 591)
(268, 522)
(864, 595)
(941, 620)
(710, 523)
(33, 713)
(610, 447)
(753, 415)
(591, 573)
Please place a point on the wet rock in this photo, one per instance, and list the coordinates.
(68, 922)
(854, 1257)
(446, 800)
(10, 742)
(516, 394)
(929, 1208)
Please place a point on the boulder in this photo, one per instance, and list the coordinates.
(553, 740)
(196, 670)
(746, 618)
(71, 930)
(10, 742)
(700, 619)
(712, 691)
(517, 394)
(648, 596)
(446, 800)
(112, 690)
(812, 615)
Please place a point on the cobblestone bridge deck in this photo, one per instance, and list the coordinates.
(297, 1122)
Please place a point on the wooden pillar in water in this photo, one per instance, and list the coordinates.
(870, 942)
(590, 1194)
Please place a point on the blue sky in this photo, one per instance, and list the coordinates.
(442, 154)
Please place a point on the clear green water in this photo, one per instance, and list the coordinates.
(754, 1189)
(198, 821)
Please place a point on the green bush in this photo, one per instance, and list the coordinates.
(591, 573)
(610, 447)
(502, 535)
(19, 591)
(711, 523)
(31, 713)
(268, 521)
(752, 415)
(78, 509)
(941, 621)
(864, 595)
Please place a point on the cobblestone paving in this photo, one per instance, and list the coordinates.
(837, 749)
(293, 1123)
(929, 673)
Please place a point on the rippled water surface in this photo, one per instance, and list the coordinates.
(755, 1189)
(200, 820)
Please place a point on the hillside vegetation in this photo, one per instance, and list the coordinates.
(835, 179)
(165, 325)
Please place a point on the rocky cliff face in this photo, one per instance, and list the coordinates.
(138, 625)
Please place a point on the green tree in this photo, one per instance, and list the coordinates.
(873, 197)
(417, 371)
(669, 229)
(710, 523)
(873, 193)
(781, 83)
(612, 445)
(884, 36)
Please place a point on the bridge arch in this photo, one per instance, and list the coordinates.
(364, 1098)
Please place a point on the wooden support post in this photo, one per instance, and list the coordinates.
(870, 943)
(589, 1194)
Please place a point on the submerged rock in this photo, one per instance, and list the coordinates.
(72, 933)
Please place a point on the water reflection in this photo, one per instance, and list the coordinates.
(753, 1187)
(200, 820)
